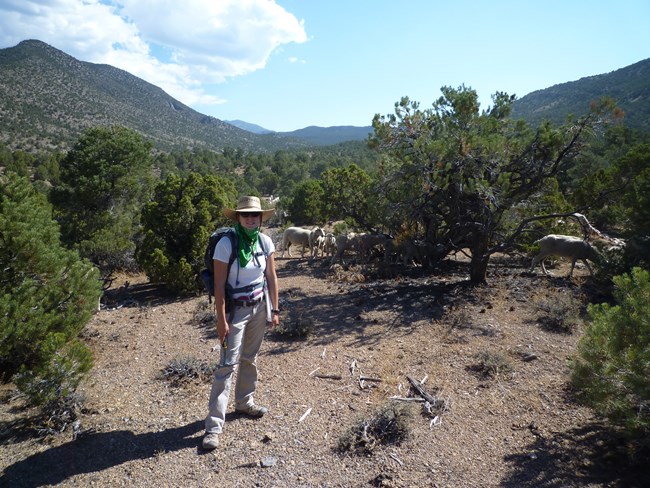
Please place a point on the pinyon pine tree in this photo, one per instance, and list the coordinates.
(612, 370)
(47, 295)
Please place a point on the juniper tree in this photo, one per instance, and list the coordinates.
(461, 172)
(104, 180)
(177, 223)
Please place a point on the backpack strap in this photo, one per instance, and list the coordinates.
(234, 249)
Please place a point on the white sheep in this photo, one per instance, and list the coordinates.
(566, 246)
(329, 247)
(318, 246)
(300, 237)
(344, 242)
(316, 240)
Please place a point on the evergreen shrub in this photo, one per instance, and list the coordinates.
(47, 295)
(612, 370)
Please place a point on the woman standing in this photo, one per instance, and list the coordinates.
(243, 297)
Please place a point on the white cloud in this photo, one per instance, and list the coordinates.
(205, 41)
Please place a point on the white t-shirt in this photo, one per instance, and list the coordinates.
(252, 274)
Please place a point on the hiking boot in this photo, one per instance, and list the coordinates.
(210, 441)
(252, 410)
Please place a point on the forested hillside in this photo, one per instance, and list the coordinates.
(629, 87)
(47, 98)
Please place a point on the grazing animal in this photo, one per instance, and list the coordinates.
(565, 246)
(344, 242)
(318, 246)
(329, 247)
(298, 236)
(316, 241)
(365, 243)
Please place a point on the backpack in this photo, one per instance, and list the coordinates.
(207, 275)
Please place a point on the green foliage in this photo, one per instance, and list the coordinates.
(634, 169)
(196, 161)
(616, 192)
(349, 194)
(177, 223)
(619, 196)
(56, 380)
(465, 178)
(105, 178)
(47, 295)
(340, 228)
(307, 205)
(612, 370)
(20, 163)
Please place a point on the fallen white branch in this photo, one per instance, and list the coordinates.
(304, 415)
(435, 421)
(407, 399)
(396, 459)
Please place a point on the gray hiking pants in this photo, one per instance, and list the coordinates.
(244, 342)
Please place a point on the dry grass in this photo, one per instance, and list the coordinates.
(389, 424)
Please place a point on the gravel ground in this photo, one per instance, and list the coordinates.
(510, 426)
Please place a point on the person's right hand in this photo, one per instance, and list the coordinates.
(222, 330)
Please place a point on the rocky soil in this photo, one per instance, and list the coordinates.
(491, 358)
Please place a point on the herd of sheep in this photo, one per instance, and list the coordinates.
(319, 243)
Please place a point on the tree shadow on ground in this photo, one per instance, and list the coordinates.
(92, 452)
(401, 299)
(138, 295)
(592, 454)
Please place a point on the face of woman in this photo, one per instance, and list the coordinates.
(250, 220)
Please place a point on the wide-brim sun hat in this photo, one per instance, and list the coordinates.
(248, 204)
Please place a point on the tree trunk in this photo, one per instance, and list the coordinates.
(480, 259)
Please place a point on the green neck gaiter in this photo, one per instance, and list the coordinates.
(247, 243)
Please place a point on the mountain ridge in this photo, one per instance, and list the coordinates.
(628, 86)
(48, 98)
(313, 134)
(49, 93)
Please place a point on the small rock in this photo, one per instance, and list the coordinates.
(268, 461)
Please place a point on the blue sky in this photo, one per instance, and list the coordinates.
(289, 64)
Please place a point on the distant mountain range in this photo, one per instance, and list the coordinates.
(47, 98)
(318, 136)
(254, 128)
